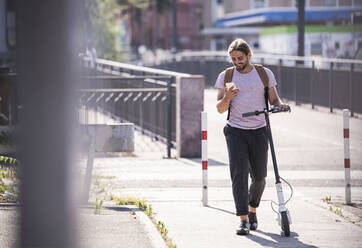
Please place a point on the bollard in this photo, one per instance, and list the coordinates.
(204, 157)
(347, 162)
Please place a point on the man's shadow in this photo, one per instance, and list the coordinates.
(278, 240)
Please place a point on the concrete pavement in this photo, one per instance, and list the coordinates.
(177, 202)
(309, 147)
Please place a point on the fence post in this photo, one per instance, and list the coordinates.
(169, 116)
(295, 85)
(280, 88)
(91, 133)
(331, 87)
(347, 162)
(312, 84)
(350, 103)
(204, 157)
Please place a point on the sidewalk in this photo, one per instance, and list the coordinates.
(177, 202)
(116, 226)
(192, 225)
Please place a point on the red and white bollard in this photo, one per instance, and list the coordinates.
(204, 157)
(347, 162)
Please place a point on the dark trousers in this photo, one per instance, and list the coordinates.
(248, 152)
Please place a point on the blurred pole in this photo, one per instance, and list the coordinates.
(174, 27)
(301, 23)
(47, 32)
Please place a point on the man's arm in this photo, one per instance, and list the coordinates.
(275, 100)
(224, 96)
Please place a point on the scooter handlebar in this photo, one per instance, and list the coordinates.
(272, 110)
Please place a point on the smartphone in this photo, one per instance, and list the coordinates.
(228, 85)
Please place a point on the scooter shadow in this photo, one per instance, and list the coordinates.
(278, 240)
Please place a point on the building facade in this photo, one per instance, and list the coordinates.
(152, 27)
(270, 26)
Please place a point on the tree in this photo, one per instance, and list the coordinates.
(100, 21)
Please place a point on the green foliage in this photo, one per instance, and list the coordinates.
(2, 189)
(98, 206)
(147, 208)
(338, 211)
(101, 27)
(327, 199)
(142, 204)
(7, 161)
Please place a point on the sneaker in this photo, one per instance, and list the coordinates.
(243, 228)
(253, 221)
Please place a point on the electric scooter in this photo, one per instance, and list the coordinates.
(284, 219)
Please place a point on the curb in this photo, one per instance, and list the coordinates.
(151, 230)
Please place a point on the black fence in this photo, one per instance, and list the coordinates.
(332, 84)
(147, 101)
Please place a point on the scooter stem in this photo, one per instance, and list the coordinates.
(275, 165)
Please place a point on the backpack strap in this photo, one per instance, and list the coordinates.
(265, 79)
(228, 75)
(227, 79)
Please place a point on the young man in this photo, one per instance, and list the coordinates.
(246, 138)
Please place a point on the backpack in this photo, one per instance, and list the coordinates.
(262, 74)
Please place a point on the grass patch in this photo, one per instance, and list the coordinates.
(327, 199)
(8, 184)
(148, 210)
(98, 206)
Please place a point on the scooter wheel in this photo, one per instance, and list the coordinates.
(285, 224)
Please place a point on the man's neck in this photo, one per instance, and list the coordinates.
(247, 69)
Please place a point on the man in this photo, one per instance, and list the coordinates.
(246, 138)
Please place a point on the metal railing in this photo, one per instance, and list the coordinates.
(146, 101)
(333, 83)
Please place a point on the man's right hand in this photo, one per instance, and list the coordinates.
(231, 92)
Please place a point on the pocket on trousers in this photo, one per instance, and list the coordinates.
(224, 130)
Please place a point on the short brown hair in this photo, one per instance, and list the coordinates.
(240, 45)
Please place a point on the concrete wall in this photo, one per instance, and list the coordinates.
(280, 3)
(334, 45)
(234, 6)
(343, 3)
(189, 105)
(314, 3)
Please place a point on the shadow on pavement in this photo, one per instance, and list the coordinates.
(278, 240)
(210, 162)
(223, 210)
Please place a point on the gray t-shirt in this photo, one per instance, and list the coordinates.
(249, 99)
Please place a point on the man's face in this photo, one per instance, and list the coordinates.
(240, 60)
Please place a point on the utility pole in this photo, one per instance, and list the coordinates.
(174, 26)
(301, 24)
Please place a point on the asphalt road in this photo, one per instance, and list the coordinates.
(304, 139)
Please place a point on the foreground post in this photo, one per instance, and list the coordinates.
(47, 35)
(204, 157)
(347, 162)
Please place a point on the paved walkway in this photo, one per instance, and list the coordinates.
(309, 151)
(192, 225)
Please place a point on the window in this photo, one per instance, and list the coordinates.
(258, 4)
(330, 3)
(357, 3)
(336, 45)
(316, 49)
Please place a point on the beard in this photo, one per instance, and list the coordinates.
(242, 66)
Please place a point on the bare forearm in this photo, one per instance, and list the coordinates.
(276, 102)
(223, 105)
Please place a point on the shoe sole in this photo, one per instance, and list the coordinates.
(253, 228)
(242, 233)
